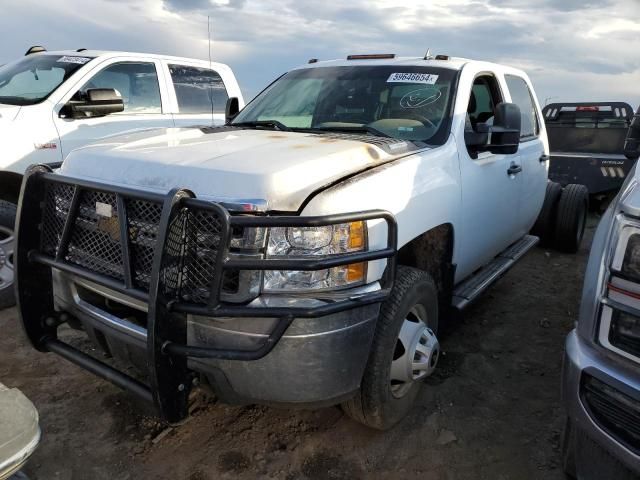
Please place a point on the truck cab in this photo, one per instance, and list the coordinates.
(46, 110)
(306, 252)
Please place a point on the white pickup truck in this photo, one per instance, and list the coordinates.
(304, 253)
(53, 102)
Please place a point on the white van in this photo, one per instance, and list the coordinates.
(53, 102)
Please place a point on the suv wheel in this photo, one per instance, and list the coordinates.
(546, 221)
(405, 350)
(7, 243)
(571, 217)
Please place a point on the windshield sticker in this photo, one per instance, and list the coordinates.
(78, 60)
(425, 78)
(420, 98)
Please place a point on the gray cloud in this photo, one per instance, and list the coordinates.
(573, 49)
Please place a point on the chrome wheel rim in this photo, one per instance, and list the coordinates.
(6, 258)
(416, 352)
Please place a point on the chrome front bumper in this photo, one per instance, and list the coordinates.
(317, 361)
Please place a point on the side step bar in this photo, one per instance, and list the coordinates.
(471, 288)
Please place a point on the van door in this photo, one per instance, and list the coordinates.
(531, 153)
(138, 83)
(200, 95)
(490, 187)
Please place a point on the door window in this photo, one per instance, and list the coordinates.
(521, 96)
(137, 83)
(198, 90)
(485, 95)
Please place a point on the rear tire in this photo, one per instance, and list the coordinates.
(571, 217)
(544, 228)
(7, 244)
(381, 402)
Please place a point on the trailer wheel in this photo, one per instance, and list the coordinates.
(571, 217)
(404, 352)
(545, 223)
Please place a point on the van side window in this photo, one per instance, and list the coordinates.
(198, 90)
(137, 82)
(521, 96)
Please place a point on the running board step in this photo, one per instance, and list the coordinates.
(470, 289)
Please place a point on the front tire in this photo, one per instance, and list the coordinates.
(404, 351)
(7, 244)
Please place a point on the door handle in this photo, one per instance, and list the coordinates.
(514, 169)
(544, 158)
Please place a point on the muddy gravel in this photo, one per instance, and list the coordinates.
(491, 411)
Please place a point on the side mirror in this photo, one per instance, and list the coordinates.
(232, 109)
(95, 102)
(506, 128)
(632, 143)
(501, 136)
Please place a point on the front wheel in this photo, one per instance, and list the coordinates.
(405, 350)
(7, 243)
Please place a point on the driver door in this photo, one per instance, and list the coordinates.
(490, 193)
(141, 88)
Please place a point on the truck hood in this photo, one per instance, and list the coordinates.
(276, 169)
(8, 112)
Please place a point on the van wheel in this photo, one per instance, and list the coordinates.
(7, 243)
(546, 222)
(571, 217)
(405, 350)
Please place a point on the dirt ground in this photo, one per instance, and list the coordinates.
(492, 410)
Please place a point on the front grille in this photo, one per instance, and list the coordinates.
(96, 241)
(614, 411)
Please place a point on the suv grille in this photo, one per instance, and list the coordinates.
(96, 241)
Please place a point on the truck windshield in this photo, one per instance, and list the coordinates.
(33, 78)
(403, 102)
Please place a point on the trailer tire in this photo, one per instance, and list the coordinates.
(571, 218)
(544, 227)
(376, 404)
(7, 244)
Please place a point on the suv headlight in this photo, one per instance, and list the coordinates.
(302, 242)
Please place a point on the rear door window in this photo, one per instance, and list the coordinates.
(522, 97)
(198, 90)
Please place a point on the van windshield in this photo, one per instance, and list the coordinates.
(32, 79)
(403, 102)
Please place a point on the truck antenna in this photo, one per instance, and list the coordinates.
(210, 66)
(427, 56)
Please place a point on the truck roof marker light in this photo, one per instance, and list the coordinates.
(585, 108)
(443, 57)
(35, 49)
(372, 56)
(313, 60)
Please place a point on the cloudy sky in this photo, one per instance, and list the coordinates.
(573, 49)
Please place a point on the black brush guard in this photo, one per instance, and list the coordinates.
(169, 378)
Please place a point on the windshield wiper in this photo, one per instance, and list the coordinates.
(358, 129)
(17, 101)
(263, 123)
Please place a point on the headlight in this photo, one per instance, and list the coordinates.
(626, 258)
(301, 242)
